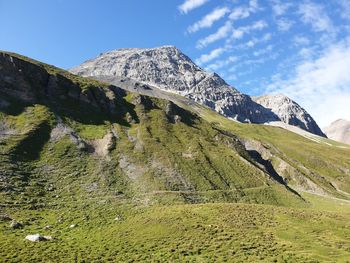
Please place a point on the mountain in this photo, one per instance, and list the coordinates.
(142, 144)
(103, 174)
(168, 69)
(289, 112)
(339, 130)
(55, 123)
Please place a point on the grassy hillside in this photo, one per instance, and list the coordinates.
(104, 141)
(146, 180)
(323, 162)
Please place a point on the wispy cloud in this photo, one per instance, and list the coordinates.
(208, 20)
(239, 13)
(189, 5)
(221, 63)
(314, 15)
(263, 51)
(321, 85)
(306, 53)
(280, 8)
(254, 41)
(301, 41)
(221, 33)
(284, 24)
(205, 58)
(253, 5)
(244, 11)
(258, 25)
(238, 33)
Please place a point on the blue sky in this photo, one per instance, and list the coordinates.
(300, 48)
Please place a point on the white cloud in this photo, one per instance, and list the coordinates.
(253, 5)
(247, 62)
(222, 63)
(321, 85)
(189, 5)
(227, 28)
(251, 43)
(314, 15)
(258, 25)
(244, 11)
(263, 51)
(209, 19)
(280, 8)
(221, 33)
(205, 58)
(237, 33)
(239, 13)
(241, 31)
(306, 53)
(284, 24)
(301, 41)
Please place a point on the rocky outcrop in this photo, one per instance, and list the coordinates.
(169, 69)
(32, 82)
(289, 112)
(339, 130)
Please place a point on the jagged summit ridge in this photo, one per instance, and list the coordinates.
(289, 112)
(169, 69)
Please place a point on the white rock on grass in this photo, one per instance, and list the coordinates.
(37, 238)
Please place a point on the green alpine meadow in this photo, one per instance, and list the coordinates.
(183, 131)
(93, 172)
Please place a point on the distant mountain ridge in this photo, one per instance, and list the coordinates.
(339, 130)
(169, 69)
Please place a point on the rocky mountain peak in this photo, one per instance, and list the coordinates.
(289, 112)
(168, 69)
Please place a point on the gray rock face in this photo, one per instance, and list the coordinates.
(339, 130)
(289, 112)
(169, 69)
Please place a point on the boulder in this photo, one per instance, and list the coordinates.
(37, 238)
